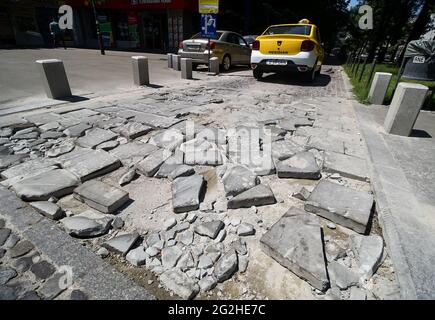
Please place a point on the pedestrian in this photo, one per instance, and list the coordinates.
(56, 33)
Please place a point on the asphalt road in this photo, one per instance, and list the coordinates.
(88, 72)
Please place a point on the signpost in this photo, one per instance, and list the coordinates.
(208, 10)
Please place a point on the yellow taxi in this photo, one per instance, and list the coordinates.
(288, 47)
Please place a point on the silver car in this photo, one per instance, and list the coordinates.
(229, 47)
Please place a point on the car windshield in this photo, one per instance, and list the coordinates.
(199, 36)
(299, 29)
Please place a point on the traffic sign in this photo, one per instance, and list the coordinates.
(208, 6)
(208, 25)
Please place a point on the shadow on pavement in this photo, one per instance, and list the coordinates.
(73, 98)
(417, 133)
(294, 79)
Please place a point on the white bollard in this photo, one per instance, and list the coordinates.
(405, 107)
(170, 60)
(379, 87)
(54, 78)
(214, 65)
(140, 70)
(176, 62)
(186, 68)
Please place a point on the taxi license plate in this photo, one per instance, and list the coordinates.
(276, 62)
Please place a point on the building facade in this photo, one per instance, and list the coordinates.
(152, 25)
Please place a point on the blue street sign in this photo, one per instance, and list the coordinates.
(208, 25)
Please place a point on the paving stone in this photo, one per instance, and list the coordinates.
(137, 257)
(357, 294)
(207, 283)
(152, 239)
(77, 130)
(25, 136)
(53, 287)
(102, 252)
(191, 217)
(346, 166)
(186, 261)
(168, 139)
(48, 209)
(24, 264)
(287, 125)
(2, 252)
(302, 165)
(240, 246)
(239, 179)
(342, 205)
(2, 223)
(133, 130)
(109, 145)
(6, 274)
(117, 223)
(7, 293)
(178, 282)
(42, 269)
(205, 262)
(94, 137)
(326, 143)
(368, 252)
(29, 168)
(60, 149)
(11, 241)
(88, 164)
(132, 152)
(20, 249)
(78, 295)
(285, 149)
(83, 227)
(341, 276)
(221, 236)
(154, 120)
(51, 135)
(303, 194)
(226, 266)
(121, 244)
(30, 296)
(186, 193)
(4, 235)
(243, 263)
(101, 196)
(259, 195)
(152, 251)
(214, 135)
(165, 170)
(170, 256)
(295, 242)
(169, 223)
(245, 229)
(181, 171)
(185, 237)
(151, 164)
(9, 160)
(6, 132)
(127, 177)
(209, 229)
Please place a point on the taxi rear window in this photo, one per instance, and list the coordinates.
(300, 30)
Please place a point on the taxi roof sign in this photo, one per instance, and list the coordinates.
(208, 6)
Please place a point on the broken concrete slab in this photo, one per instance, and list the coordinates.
(101, 196)
(209, 229)
(77, 130)
(9, 160)
(154, 120)
(122, 243)
(64, 147)
(179, 283)
(302, 165)
(48, 209)
(226, 266)
(170, 256)
(109, 145)
(127, 177)
(133, 130)
(151, 164)
(245, 229)
(94, 137)
(347, 166)
(168, 139)
(137, 257)
(295, 241)
(82, 227)
(284, 149)
(259, 195)
(186, 193)
(54, 183)
(29, 167)
(214, 135)
(238, 179)
(368, 252)
(342, 205)
(132, 152)
(341, 276)
(87, 164)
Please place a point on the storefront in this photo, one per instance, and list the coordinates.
(152, 25)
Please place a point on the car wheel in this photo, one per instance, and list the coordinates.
(318, 71)
(310, 76)
(226, 63)
(258, 74)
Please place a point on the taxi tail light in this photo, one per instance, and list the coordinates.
(307, 45)
(180, 45)
(212, 45)
(256, 45)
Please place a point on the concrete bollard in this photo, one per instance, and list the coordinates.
(404, 108)
(170, 60)
(140, 70)
(214, 65)
(54, 78)
(379, 87)
(186, 68)
(176, 62)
